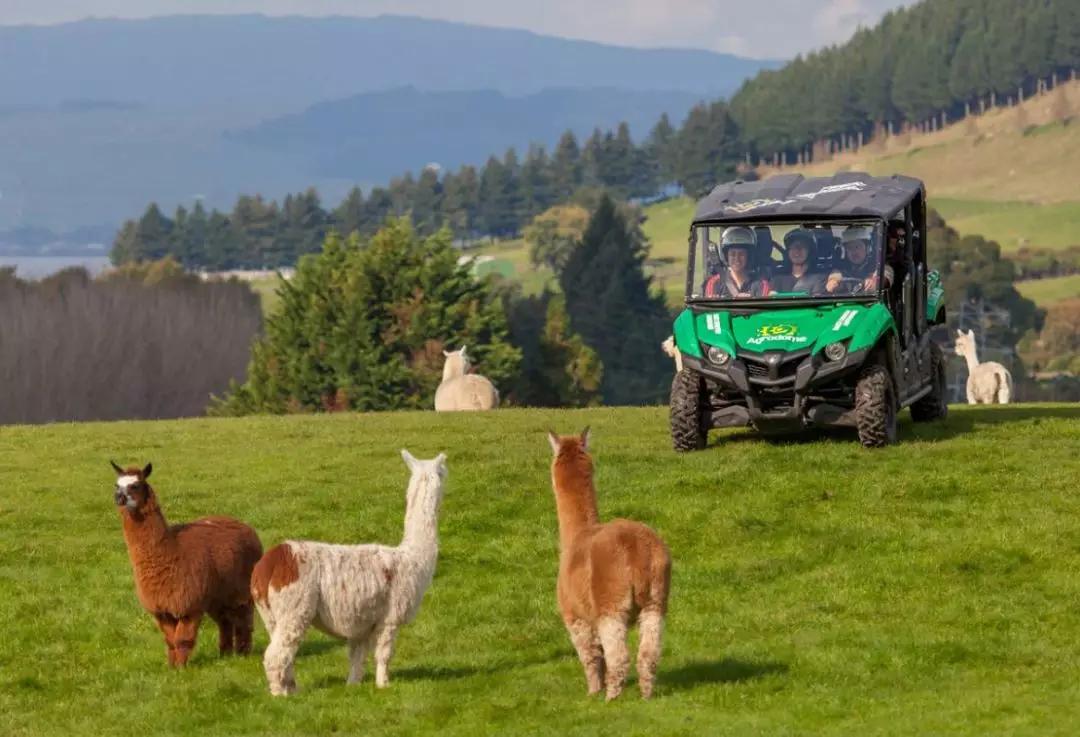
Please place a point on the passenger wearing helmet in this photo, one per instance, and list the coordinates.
(800, 250)
(859, 262)
(737, 281)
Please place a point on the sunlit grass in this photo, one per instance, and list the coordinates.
(819, 588)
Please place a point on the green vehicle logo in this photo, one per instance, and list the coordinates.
(773, 331)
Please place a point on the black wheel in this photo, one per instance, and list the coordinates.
(689, 428)
(875, 407)
(935, 405)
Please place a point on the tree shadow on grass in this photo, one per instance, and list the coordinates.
(728, 670)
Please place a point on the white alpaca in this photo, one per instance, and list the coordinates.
(987, 383)
(461, 390)
(360, 593)
(669, 347)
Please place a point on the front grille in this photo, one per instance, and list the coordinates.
(773, 366)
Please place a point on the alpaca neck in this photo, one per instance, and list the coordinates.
(452, 370)
(971, 357)
(575, 501)
(146, 533)
(421, 538)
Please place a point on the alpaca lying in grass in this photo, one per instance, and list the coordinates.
(360, 593)
(987, 383)
(185, 571)
(610, 575)
(461, 390)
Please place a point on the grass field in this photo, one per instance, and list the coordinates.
(1046, 292)
(818, 588)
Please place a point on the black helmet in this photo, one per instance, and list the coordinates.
(802, 235)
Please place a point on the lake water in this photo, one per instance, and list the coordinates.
(37, 267)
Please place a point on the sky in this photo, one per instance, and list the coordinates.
(755, 28)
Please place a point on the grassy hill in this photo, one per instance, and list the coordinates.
(818, 588)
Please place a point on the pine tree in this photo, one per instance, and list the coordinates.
(566, 172)
(349, 216)
(364, 328)
(613, 307)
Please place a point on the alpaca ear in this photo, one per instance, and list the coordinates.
(440, 459)
(446, 353)
(585, 435)
(971, 334)
(119, 471)
(959, 333)
(462, 351)
(408, 458)
(146, 471)
(554, 440)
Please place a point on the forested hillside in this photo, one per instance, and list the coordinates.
(923, 66)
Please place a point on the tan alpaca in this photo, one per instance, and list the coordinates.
(610, 575)
(461, 390)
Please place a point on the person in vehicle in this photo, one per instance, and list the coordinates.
(801, 250)
(859, 263)
(738, 280)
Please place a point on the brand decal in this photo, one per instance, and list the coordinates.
(784, 333)
(744, 207)
(845, 319)
(712, 322)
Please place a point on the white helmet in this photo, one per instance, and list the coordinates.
(738, 235)
(858, 233)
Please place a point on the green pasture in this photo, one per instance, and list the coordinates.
(1045, 292)
(818, 587)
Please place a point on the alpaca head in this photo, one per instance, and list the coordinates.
(570, 449)
(426, 481)
(457, 363)
(965, 342)
(132, 491)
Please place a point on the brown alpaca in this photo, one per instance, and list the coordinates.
(610, 575)
(185, 571)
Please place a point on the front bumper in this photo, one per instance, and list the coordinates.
(777, 386)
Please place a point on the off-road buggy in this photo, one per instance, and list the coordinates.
(795, 331)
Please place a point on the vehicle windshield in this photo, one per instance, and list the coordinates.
(785, 261)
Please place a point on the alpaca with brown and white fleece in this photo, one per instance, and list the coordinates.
(611, 575)
(362, 594)
(461, 390)
(987, 383)
(185, 571)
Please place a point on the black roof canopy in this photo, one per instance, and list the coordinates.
(793, 196)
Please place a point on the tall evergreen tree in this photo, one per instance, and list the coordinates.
(613, 307)
(566, 173)
(348, 217)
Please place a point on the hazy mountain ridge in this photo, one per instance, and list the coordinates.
(98, 117)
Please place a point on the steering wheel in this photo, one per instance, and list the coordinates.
(853, 285)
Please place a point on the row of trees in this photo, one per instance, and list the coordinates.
(134, 343)
(944, 56)
(363, 324)
(496, 200)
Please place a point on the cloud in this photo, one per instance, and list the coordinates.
(759, 28)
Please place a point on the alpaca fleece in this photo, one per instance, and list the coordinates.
(987, 383)
(462, 391)
(610, 576)
(187, 570)
(360, 593)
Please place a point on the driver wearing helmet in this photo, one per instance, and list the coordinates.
(800, 251)
(859, 262)
(737, 281)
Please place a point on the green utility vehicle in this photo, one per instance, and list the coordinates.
(808, 303)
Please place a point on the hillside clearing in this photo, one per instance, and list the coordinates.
(818, 588)
(1045, 292)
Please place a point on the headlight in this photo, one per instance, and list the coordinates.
(717, 356)
(835, 351)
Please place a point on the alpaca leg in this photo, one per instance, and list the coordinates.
(651, 628)
(167, 624)
(224, 621)
(280, 656)
(187, 633)
(616, 658)
(589, 653)
(970, 390)
(384, 650)
(243, 618)
(357, 655)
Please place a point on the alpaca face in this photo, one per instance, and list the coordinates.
(132, 491)
(964, 342)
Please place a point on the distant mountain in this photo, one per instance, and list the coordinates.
(382, 134)
(285, 64)
(99, 117)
